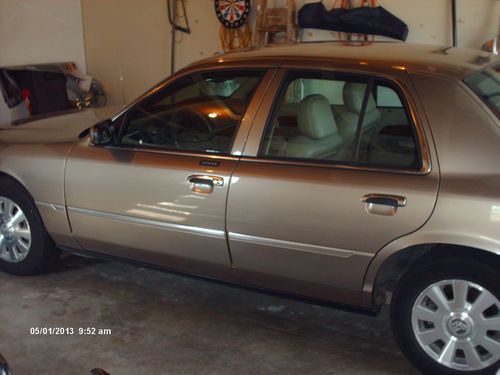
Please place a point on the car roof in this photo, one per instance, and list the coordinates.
(454, 63)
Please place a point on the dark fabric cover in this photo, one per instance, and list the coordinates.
(362, 20)
(47, 90)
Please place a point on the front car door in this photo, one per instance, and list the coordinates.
(336, 166)
(158, 194)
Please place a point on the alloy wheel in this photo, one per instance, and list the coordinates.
(457, 323)
(15, 232)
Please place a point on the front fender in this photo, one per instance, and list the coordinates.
(40, 168)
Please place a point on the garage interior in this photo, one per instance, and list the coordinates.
(168, 323)
(163, 323)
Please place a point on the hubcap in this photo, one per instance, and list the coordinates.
(15, 232)
(457, 323)
(460, 325)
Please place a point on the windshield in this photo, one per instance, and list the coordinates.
(486, 84)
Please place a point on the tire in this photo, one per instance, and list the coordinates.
(4, 367)
(27, 249)
(440, 336)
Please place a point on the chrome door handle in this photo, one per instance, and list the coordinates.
(382, 204)
(204, 183)
(385, 200)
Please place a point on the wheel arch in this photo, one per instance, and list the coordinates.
(392, 262)
(54, 217)
(17, 180)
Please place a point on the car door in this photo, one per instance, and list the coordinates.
(158, 193)
(336, 166)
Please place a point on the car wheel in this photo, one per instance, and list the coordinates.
(446, 317)
(4, 367)
(25, 246)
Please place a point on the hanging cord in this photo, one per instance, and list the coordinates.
(235, 38)
(370, 3)
(347, 38)
(172, 18)
(232, 39)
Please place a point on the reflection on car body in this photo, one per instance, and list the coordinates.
(356, 175)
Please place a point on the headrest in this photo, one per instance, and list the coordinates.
(353, 97)
(315, 118)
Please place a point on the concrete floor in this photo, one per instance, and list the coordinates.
(169, 324)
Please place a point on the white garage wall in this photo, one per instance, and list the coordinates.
(430, 22)
(39, 31)
(478, 21)
(127, 45)
(127, 42)
(140, 28)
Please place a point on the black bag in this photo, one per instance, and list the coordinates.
(47, 90)
(362, 20)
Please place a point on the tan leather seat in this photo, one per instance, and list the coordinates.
(348, 117)
(318, 133)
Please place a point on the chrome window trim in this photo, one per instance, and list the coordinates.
(245, 124)
(297, 246)
(269, 100)
(172, 152)
(185, 72)
(303, 163)
(154, 223)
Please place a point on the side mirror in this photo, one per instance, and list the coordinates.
(102, 133)
(4, 367)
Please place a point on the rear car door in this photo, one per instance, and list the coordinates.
(336, 166)
(158, 194)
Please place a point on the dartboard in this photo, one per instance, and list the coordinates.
(232, 13)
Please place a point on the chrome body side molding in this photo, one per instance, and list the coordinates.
(154, 223)
(323, 250)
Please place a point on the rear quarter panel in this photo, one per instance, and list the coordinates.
(467, 139)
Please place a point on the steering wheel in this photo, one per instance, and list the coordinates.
(157, 132)
(180, 127)
(182, 119)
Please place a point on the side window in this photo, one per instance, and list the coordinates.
(199, 113)
(387, 98)
(318, 117)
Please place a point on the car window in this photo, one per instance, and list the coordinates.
(486, 84)
(386, 97)
(318, 117)
(200, 113)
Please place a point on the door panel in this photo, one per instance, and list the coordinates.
(312, 226)
(140, 204)
(158, 192)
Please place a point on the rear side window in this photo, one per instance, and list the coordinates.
(486, 85)
(323, 117)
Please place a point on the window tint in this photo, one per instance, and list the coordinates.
(317, 117)
(486, 84)
(200, 112)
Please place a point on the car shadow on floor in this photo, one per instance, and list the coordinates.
(334, 337)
